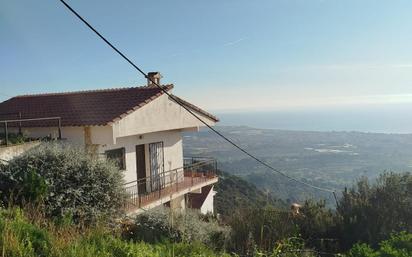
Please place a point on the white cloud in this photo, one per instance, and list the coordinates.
(232, 43)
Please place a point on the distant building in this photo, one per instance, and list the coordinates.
(140, 128)
(295, 208)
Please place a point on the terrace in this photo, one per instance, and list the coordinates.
(14, 142)
(149, 192)
(12, 128)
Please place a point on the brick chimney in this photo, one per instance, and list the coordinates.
(153, 76)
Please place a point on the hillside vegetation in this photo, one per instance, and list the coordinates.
(234, 193)
(41, 216)
(21, 236)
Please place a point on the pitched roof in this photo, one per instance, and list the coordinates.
(196, 109)
(82, 108)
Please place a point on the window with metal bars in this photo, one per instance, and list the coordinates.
(156, 158)
(118, 156)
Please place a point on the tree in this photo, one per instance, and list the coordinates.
(370, 213)
(261, 228)
(318, 226)
(66, 180)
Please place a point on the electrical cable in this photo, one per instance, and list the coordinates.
(190, 111)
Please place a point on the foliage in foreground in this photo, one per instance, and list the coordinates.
(370, 213)
(65, 180)
(21, 235)
(399, 245)
(260, 228)
(163, 224)
(29, 238)
(367, 213)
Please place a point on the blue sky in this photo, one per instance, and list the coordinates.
(220, 54)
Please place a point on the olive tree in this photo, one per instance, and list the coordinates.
(65, 180)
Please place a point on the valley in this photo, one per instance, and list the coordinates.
(327, 159)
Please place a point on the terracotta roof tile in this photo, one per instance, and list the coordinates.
(84, 108)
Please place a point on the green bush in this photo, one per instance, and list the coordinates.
(104, 244)
(399, 245)
(318, 225)
(67, 180)
(260, 228)
(370, 213)
(292, 247)
(362, 250)
(162, 224)
(21, 237)
(108, 245)
(152, 227)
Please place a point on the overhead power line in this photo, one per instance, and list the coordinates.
(190, 111)
(5, 94)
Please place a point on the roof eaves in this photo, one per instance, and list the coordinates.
(197, 109)
(78, 92)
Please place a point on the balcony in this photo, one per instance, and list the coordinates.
(153, 191)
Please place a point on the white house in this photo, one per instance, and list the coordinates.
(140, 128)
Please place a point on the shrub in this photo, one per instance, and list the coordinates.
(109, 245)
(292, 247)
(399, 245)
(260, 228)
(162, 224)
(370, 213)
(362, 250)
(67, 180)
(152, 227)
(318, 226)
(21, 238)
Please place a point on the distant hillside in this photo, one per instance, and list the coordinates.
(327, 159)
(234, 192)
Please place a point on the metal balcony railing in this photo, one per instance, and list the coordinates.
(20, 122)
(145, 191)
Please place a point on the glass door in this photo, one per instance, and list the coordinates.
(156, 165)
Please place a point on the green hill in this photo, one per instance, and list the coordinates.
(234, 192)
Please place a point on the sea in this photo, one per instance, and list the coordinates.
(393, 119)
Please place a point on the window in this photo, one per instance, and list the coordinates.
(118, 156)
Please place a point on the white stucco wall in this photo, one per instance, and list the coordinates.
(102, 135)
(173, 150)
(178, 204)
(74, 135)
(158, 115)
(207, 206)
(9, 152)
